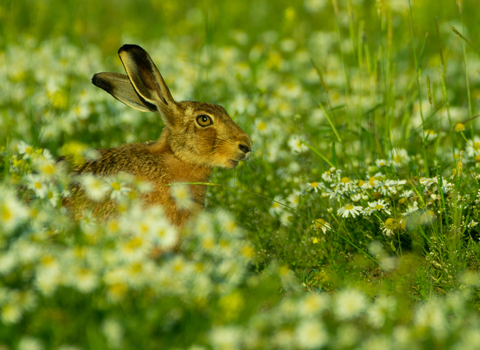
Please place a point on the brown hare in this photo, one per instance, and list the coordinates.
(197, 137)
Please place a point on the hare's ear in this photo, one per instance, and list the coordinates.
(148, 82)
(120, 87)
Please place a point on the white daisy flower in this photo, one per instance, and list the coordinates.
(473, 147)
(52, 194)
(118, 187)
(382, 163)
(311, 334)
(261, 126)
(294, 199)
(296, 144)
(350, 210)
(320, 224)
(349, 304)
(400, 157)
(181, 194)
(165, 234)
(276, 207)
(36, 183)
(48, 168)
(286, 219)
(388, 226)
(83, 279)
(315, 186)
(379, 205)
(12, 211)
(25, 149)
(472, 224)
(427, 182)
(95, 187)
(329, 175)
(430, 135)
(408, 194)
(113, 331)
(411, 209)
(356, 197)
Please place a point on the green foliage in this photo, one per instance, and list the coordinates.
(353, 225)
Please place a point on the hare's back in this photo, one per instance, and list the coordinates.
(135, 159)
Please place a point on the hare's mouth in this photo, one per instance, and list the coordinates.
(232, 163)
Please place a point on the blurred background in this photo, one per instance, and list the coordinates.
(361, 81)
(105, 23)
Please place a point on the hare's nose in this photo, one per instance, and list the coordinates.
(244, 148)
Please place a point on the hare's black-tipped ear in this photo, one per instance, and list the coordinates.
(147, 81)
(120, 87)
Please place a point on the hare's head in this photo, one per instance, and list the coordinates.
(197, 132)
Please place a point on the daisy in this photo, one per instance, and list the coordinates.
(430, 135)
(472, 224)
(320, 224)
(52, 194)
(427, 182)
(400, 157)
(345, 184)
(286, 219)
(388, 226)
(459, 127)
(25, 149)
(315, 186)
(368, 211)
(328, 176)
(83, 279)
(350, 210)
(408, 194)
(95, 187)
(48, 168)
(118, 187)
(356, 197)
(35, 183)
(294, 199)
(12, 211)
(276, 207)
(336, 193)
(262, 127)
(349, 303)
(135, 248)
(181, 194)
(381, 163)
(411, 209)
(11, 313)
(227, 223)
(296, 144)
(311, 334)
(372, 182)
(113, 331)
(379, 205)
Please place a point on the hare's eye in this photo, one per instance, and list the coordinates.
(204, 120)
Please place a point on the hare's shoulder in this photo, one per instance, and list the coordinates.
(136, 159)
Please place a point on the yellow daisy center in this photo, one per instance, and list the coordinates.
(345, 180)
(459, 127)
(390, 224)
(262, 126)
(116, 186)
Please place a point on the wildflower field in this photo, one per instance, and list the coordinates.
(354, 225)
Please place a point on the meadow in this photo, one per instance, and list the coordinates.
(354, 225)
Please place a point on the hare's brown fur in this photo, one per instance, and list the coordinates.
(185, 152)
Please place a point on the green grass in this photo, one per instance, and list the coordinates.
(373, 89)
